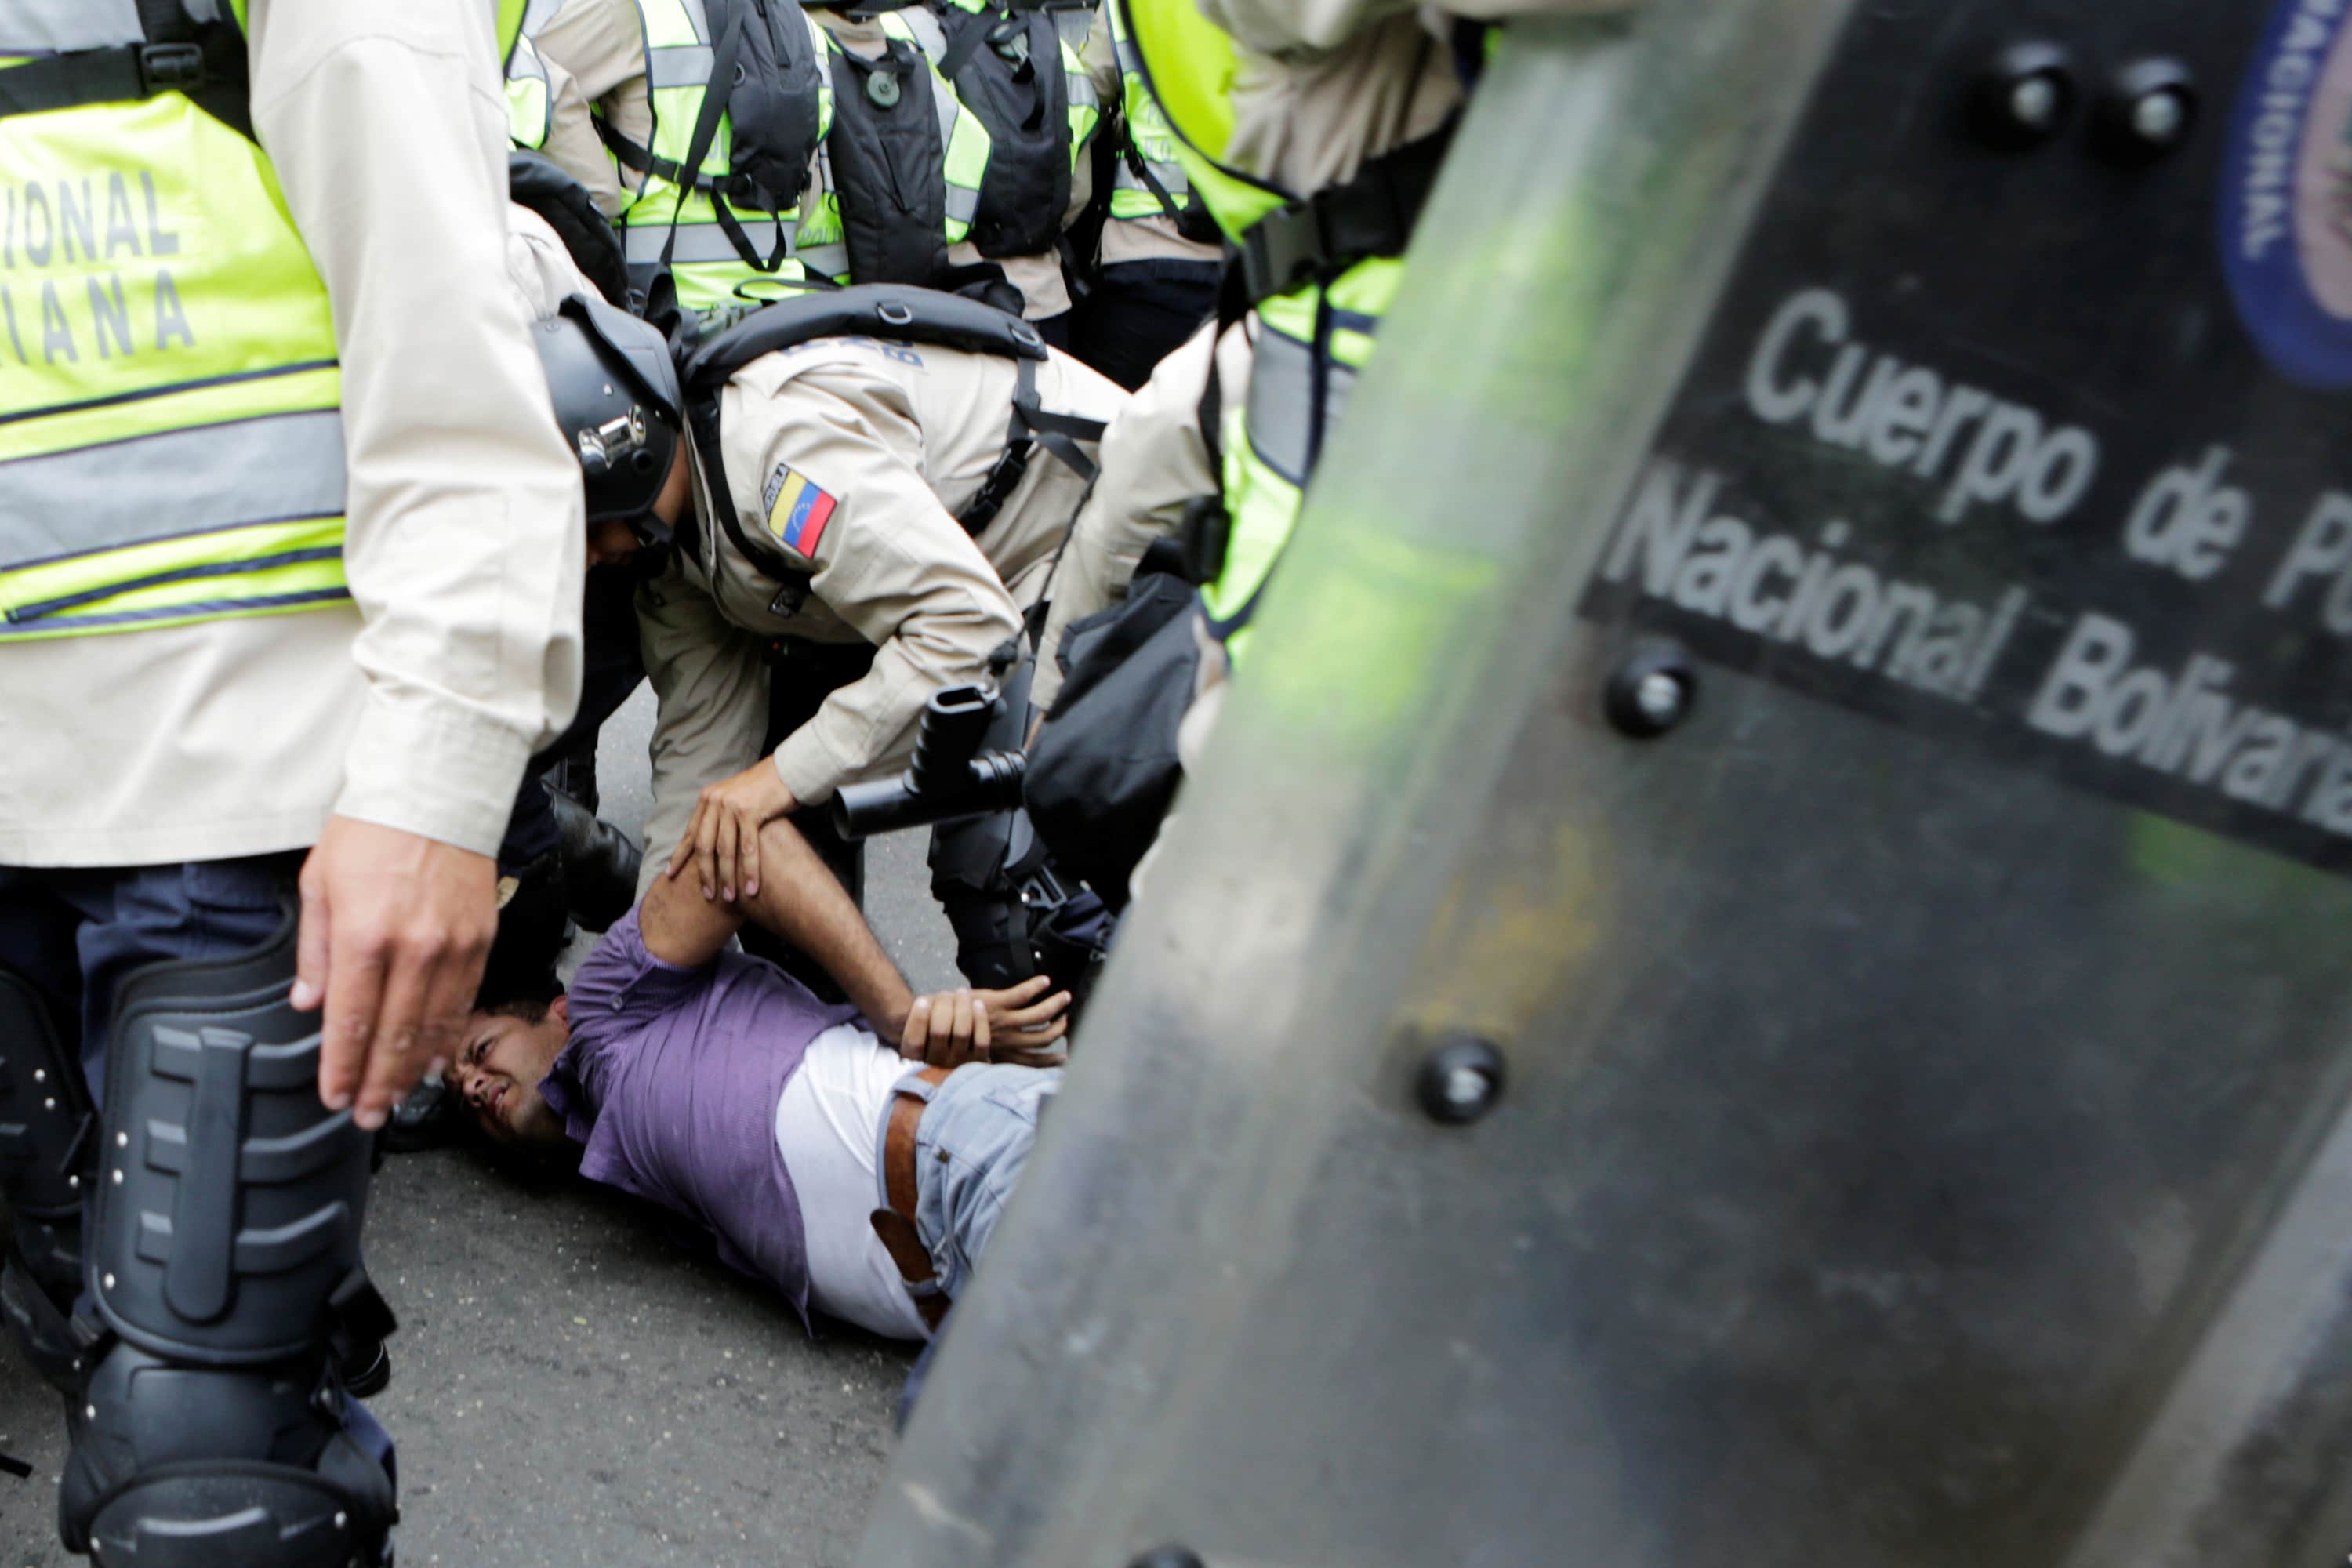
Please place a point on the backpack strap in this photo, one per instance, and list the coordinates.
(203, 60)
(1030, 428)
(1194, 222)
(727, 48)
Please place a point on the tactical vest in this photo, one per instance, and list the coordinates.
(171, 435)
(903, 166)
(893, 313)
(1149, 180)
(724, 235)
(1312, 343)
(1039, 119)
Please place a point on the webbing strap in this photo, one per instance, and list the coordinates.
(205, 61)
(969, 33)
(1373, 213)
(698, 147)
(1193, 222)
(116, 75)
(1030, 427)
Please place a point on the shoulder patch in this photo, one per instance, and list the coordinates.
(797, 510)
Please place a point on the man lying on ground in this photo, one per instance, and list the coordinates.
(717, 1085)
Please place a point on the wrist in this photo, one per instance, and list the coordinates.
(888, 1015)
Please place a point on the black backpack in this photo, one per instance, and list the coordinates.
(1006, 68)
(886, 154)
(764, 82)
(538, 182)
(1103, 771)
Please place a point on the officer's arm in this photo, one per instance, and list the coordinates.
(602, 43)
(1099, 54)
(890, 562)
(1153, 462)
(711, 688)
(572, 141)
(801, 901)
(463, 544)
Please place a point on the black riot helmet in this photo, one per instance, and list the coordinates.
(615, 388)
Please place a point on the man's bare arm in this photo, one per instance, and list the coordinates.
(799, 899)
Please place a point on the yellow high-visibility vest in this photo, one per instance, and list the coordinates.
(171, 433)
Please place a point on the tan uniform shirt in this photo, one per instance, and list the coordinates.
(601, 45)
(1321, 85)
(416, 705)
(897, 437)
(572, 141)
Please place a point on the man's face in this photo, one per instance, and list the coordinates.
(498, 1068)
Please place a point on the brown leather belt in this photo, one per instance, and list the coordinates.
(896, 1225)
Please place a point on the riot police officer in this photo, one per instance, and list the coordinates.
(1314, 137)
(276, 576)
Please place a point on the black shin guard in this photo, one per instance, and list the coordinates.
(45, 1126)
(224, 1262)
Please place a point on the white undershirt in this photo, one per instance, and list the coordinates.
(826, 1124)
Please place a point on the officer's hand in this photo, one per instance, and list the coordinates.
(950, 1028)
(395, 930)
(722, 842)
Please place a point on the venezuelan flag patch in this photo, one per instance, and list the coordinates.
(797, 511)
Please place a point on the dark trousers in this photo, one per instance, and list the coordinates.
(1138, 311)
(612, 670)
(76, 934)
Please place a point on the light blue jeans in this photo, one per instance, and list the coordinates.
(970, 1147)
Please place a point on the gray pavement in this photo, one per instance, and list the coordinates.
(571, 1385)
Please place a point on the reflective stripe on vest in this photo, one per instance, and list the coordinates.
(709, 273)
(961, 132)
(1143, 129)
(531, 102)
(171, 447)
(1271, 440)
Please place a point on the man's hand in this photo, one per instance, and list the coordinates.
(722, 842)
(950, 1028)
(395, 930)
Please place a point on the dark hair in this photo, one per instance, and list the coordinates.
(526, 996)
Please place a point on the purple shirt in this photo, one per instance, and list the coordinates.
(671, 1080)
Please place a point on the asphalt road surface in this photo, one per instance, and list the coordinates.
(573, 1385)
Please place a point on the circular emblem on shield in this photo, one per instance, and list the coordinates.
(2286, 202)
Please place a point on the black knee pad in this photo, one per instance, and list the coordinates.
(186, 1467)
(45, 1123)
(223, 1259)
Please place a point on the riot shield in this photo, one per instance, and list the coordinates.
(1757, 973)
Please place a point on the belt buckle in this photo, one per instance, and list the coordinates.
(171, 68)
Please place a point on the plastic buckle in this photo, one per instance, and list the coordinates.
(1042, 892)
(171, 68)
(1206, 534)
(1284, 249)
